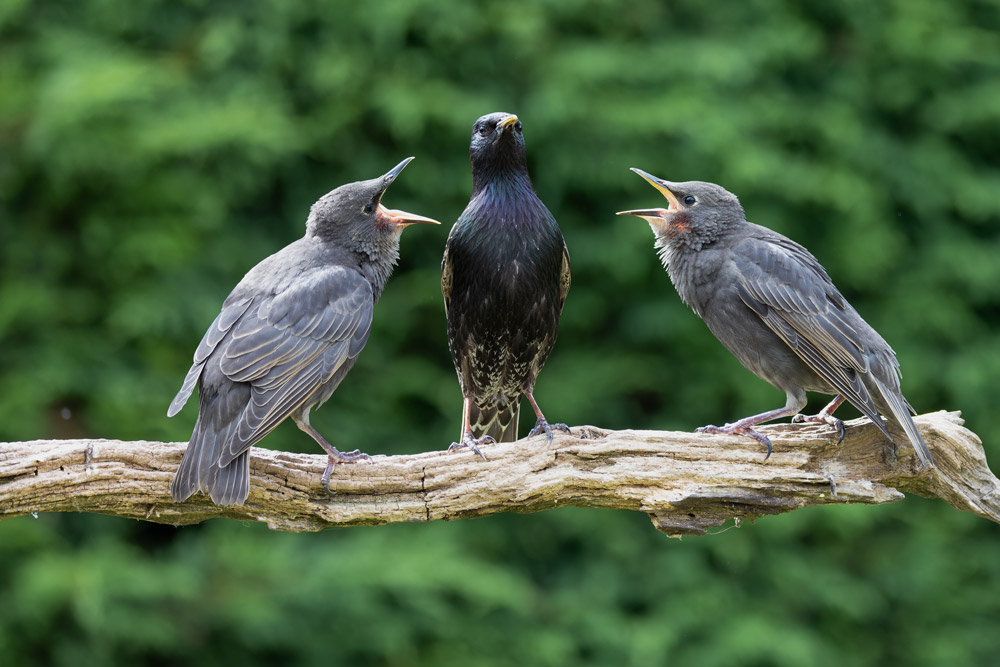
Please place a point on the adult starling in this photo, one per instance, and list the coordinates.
(504, 276)
(772, 305)
(287, 335)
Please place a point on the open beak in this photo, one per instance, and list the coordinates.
(664, 188)
(505, 123)
(391, 175)
(654, 216)
(402, 218)
(394, 216)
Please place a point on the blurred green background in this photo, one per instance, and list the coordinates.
(152, 152)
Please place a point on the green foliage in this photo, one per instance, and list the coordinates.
(153, 152)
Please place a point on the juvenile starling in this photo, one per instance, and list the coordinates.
(287, 335)
(504, 277)
(772, 305)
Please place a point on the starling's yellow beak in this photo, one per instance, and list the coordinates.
(506, 122)
(402, 218)
(664, 188)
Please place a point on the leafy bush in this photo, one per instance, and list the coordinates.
(153, 152)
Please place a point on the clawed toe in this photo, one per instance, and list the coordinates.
(351, 457)
(325, 482)
(468, 442)
(736, 429)
(542, 426)
(829, 420)
(340, 457)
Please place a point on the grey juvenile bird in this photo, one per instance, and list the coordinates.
(772, 305)
(287, 335)
(504, 276)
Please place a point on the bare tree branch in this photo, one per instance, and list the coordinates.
(685, 482)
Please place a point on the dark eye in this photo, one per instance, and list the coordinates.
(483, 130)
(689, 200)
(369, 207)
(517, 126)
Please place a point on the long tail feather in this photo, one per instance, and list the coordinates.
(499, 421)
(199, 469)
(232, 484)
(901, 413)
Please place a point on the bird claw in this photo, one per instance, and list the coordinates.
(340, 457)
(731, 429)
(830, 420)
(542, 426)
(468, 442)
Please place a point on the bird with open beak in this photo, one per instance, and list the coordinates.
(772, 304)
(287, 335)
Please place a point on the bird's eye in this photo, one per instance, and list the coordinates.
(517, 126)
(483, 130)
(369, 207)
(689, 200)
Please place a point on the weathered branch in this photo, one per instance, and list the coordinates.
(685, 482)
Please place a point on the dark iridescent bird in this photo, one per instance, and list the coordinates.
(504, 277)
(772, 305)
(287, 335)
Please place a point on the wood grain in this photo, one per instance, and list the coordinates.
(686, 482)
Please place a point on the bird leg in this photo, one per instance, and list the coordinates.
(825, 416)
(542, 425)
(334, 455)
(745, 425)
(467, 441)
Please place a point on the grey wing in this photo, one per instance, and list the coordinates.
(216, 332)
(292, 344)
(792, 294)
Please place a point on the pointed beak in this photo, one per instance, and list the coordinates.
(389, 176)
(506, 123)
(393, 216)
(650, 215)
(402, 218)
(664, 188)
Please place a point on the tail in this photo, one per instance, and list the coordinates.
(893, 399)
(232, 484)
(498, 420)
(199, 469)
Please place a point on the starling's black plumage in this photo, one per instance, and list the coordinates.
(771, 304)
(287, 335)
(504, 277)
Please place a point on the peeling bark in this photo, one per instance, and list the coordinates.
(685, 482)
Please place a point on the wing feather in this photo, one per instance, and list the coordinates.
(446, 276)
(792, 294)
(216, 332)
(565, 275)
(289, 345)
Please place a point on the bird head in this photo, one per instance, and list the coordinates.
(697, 212)
(355, 211)
(497, 144)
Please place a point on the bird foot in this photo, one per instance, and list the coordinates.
(822, 419)
(542, 426)
(468, 442)
(336, 457)
(740, 429)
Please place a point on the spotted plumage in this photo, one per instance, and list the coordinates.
(504, 277)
